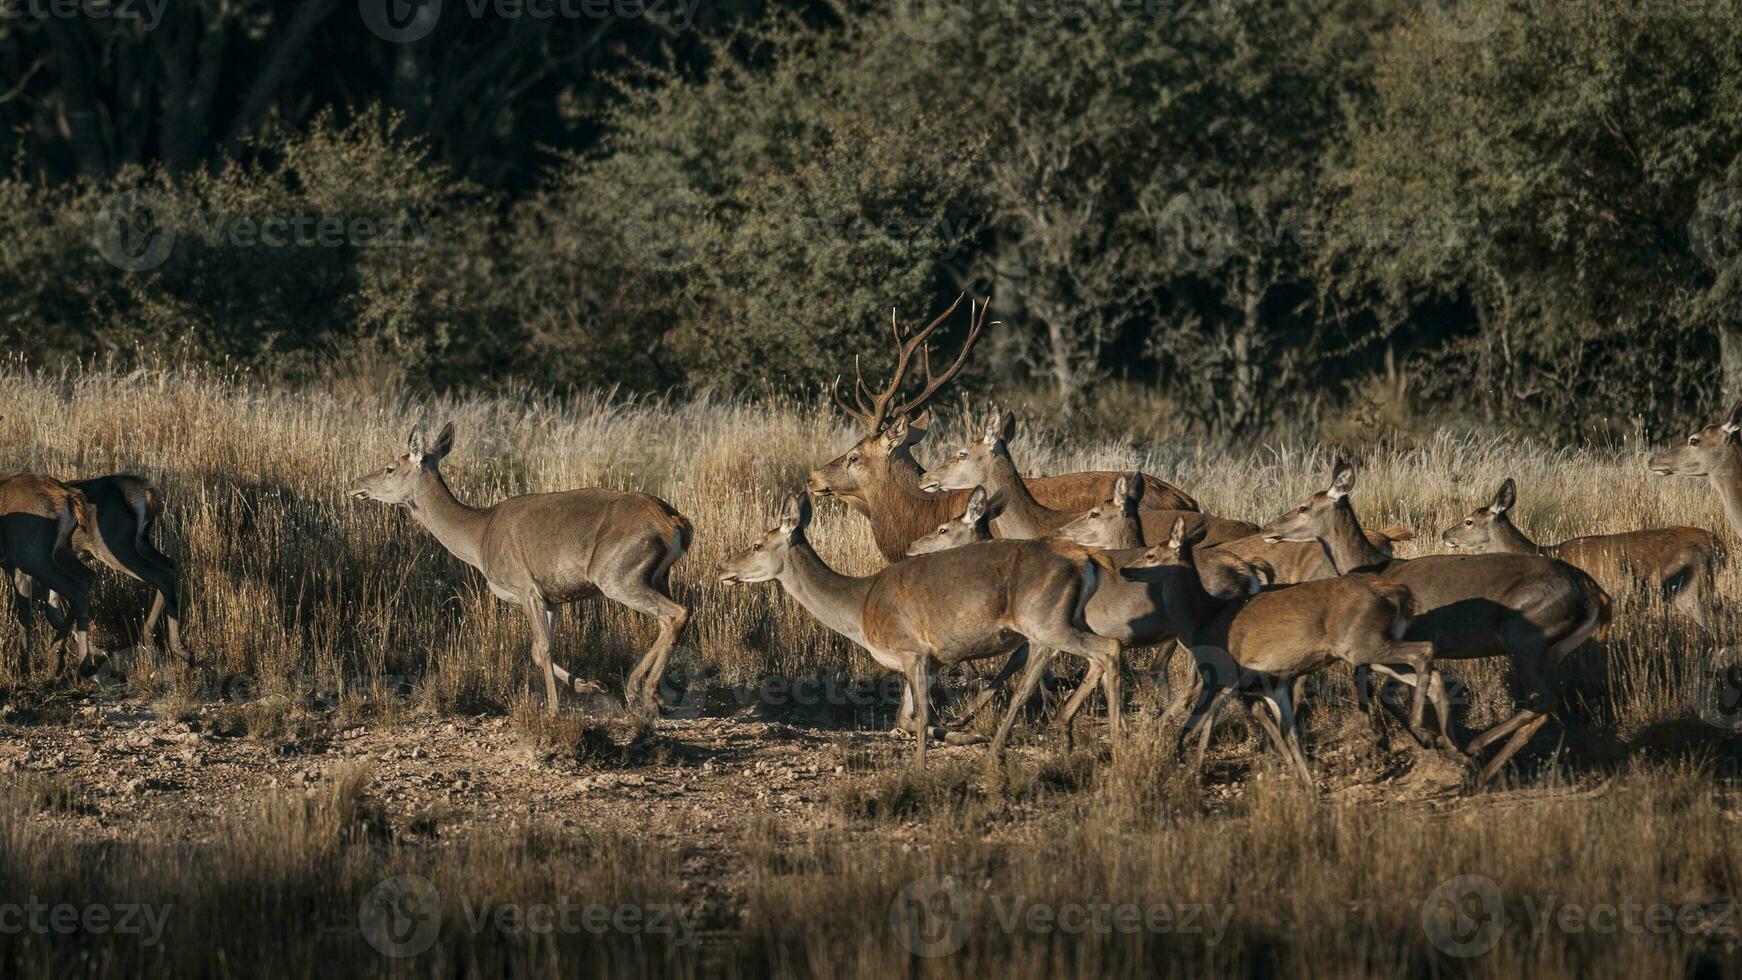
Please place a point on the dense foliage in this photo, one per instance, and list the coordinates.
(1309, 208)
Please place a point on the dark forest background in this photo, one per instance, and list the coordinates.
(1513, 213)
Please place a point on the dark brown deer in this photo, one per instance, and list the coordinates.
(879, 477)
(39, 517)
(1677, 563)
(125, 509)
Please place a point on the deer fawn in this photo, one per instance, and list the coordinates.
(879, 478)
(1676, 562)
(542, 550)
(984, 600)
(39, 517)
(1714, 452)
(1258, 646)
(1531, 609)
(986, 462)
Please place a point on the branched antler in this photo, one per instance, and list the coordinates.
(875, 409)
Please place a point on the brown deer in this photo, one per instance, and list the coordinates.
(1531, 609)
(1131, 612)
(124, 509)
(984, 600)
(1678, 563)
(542, 550)
(986, 462)
(879, 477)
(1258, 646)
(1714, 452)
(39, 517)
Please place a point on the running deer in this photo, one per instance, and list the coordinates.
(39, 517)
(1678, 563)
(1131, 612)
(987, 462)
(1258, 646)
(124, 509)
(1714, 452)
(879, 477)
(542, 550)
(984, 600)
(1532, 609)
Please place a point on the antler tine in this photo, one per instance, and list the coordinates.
(933, 383)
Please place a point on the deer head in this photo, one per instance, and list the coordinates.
(1112, 523)
(979, 463)
(765, 559)
(1476, 532)
(398, 482)
(974, 524)
(1313, 519)
(1710, 449)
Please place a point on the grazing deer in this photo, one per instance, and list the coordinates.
(542, 550)
(38, 519)
(1259, 645)
(1714, 452)
(1677, 562)
(1532, 609)
(986, 462)
(879, 478)
(984, 600)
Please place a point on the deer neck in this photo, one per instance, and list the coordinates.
(899, 511)
(1509, 540)
(458, 527)
(836, 600)
(1727, 480)
(1128, 535)
(1346, 545)
(1022, 516)
(1188, 604)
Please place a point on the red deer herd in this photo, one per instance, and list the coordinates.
(985, 562)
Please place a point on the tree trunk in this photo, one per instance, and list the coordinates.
(1004, 347)
(1730, 356)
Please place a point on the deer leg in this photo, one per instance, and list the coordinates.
(1016, 662)
(1162, 676)
(1065, 724)
(642, 689)
(919, 683)
(1202, 719)
(540, 614)
(1038, 660)
(1102, 653)
(26, 616)
(1281, 728)
(1516, 742)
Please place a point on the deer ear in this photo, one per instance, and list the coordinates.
(976, 506)
(995, 503)
(1176, 537)
(1342, 479)
(917, 427)
(797, 515)
(1007, 426)
(1505, 497)
(1734, 422)
(414, 445)
(444, 442)
(897, 434)
(1134, 488)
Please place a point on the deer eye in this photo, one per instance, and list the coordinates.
(962, 455)
(756, 547)
(1469, 522)
(1693, 440)
(1304, 508)
(853, 458)
(1095, 513)
(389, 469)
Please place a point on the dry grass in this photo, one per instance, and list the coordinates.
(307, 605)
